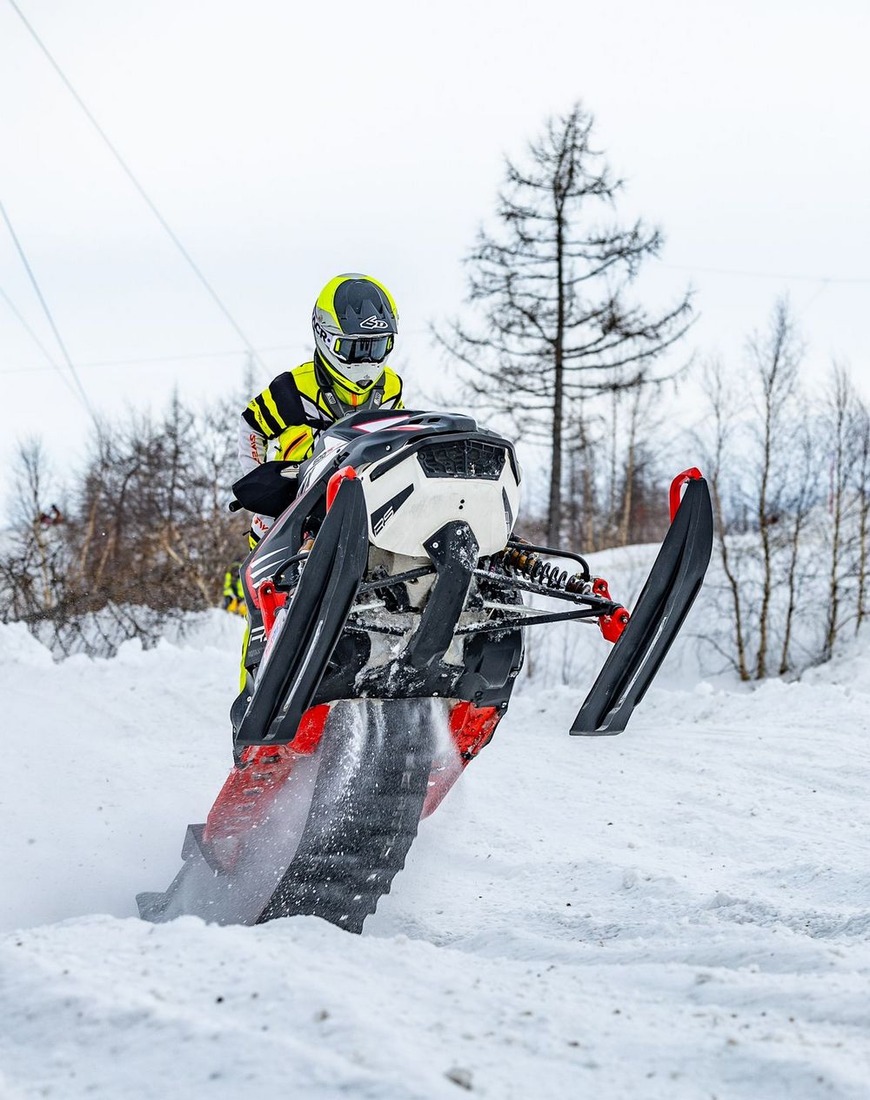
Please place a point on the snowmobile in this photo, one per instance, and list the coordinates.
(387, 609)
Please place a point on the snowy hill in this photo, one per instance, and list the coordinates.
(682, 911)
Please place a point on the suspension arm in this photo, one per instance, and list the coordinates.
(508, 623)
(581, 614)
(522, 585)
(397, 578)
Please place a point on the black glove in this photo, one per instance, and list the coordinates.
(269, 488)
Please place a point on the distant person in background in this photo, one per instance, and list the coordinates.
(355, 322)
(52, 518)
(234, 592)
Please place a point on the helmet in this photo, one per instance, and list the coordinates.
(355, 322)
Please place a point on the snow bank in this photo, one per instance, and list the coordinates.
(118, 1008)
(102, 752)
(678, 912)
(18, 646)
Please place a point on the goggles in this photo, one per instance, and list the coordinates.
(361, 349)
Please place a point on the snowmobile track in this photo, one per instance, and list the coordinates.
(349, 816)
(346, 860)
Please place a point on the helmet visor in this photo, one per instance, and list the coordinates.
(362, 349)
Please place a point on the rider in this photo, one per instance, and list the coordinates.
(355, 322)
(234, 592)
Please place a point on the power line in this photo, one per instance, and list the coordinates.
(157, 358)
(301, 347)
(46, 310)
(129, 173)
(767, 275)
(53, 365)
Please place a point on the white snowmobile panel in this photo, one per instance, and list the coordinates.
(405, 507)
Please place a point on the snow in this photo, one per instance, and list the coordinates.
(682, 911)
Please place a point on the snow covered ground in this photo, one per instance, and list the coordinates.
(681, 911)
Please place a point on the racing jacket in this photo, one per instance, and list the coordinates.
(282, 422)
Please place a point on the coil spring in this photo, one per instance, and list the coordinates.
(516, 560)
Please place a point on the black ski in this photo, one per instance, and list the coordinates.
(314, 620)
(663, 604)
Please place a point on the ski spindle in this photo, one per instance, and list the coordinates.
(611, 626)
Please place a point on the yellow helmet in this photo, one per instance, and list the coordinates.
(355, 322)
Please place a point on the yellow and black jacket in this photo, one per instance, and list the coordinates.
(234, 592)
(233, 588)
(282, 421)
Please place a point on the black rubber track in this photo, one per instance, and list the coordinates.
(365, 810)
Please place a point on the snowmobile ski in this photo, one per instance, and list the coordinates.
(312, 623)
(664, 602)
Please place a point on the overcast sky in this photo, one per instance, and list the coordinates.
(286, 142)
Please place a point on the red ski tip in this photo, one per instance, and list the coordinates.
(676, 493)
(346, 473)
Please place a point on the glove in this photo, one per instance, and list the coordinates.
(228, 602)
(268, 489)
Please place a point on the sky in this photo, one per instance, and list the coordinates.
(284, 143)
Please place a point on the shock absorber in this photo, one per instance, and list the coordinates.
(522, 559)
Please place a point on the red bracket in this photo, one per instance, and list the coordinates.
(676, 495)
(611, 626)
(271, 600)
(346, 473)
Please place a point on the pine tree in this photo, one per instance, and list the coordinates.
(555, 324)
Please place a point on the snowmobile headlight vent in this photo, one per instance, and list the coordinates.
(468, 458)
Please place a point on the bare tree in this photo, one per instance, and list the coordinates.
(861, 476)
(34, 557)
(637, 502)
(845, 430)
(145, 536)
(716, 447)
(774, 358)
(584, 507)
(791, 496)
(556, 325)
(797, 515)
